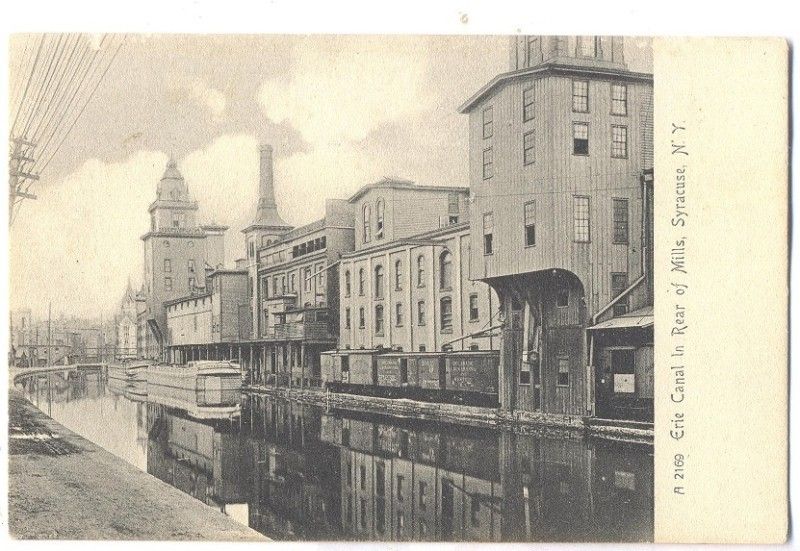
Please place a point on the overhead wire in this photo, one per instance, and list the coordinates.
(71, 66)
(28, 84)
(85, 104)
(45, 138)
(46, 79)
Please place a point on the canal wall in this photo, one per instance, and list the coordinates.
(518, 421)
(61, 486)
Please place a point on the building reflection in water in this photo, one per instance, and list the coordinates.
(306, 474)
(294, 471)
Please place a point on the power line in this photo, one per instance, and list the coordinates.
(52, 68)
(108, 66)
(66, 106)
(28, 84)
(57, 99)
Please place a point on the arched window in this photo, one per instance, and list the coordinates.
(446, 313)
(379, 209)
(398, 275)
(420, 271)
(361, 281)
(445, 270)
(378, 281)
(347, 283)
(367, 222)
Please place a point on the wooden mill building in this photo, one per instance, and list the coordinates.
(558, 151)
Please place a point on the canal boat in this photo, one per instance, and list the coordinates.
(128, 371)
(197, 375)
(203, 404)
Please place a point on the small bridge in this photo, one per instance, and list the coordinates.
(17, 373)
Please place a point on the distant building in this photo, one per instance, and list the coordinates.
(177, 252)
(125, 325)
(559, 151)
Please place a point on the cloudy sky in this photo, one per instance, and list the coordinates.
(340, 111)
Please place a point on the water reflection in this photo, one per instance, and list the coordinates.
(295, 471)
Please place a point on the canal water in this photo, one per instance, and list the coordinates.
(295, 471)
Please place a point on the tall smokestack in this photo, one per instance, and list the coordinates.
(266, 190)
(267, 210)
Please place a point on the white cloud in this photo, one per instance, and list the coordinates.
(339, 92)
(79, 241)
(211, 98)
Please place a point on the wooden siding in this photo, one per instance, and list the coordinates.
(554, 178)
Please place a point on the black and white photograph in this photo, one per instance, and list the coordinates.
(336, 287)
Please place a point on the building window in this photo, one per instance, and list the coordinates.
(580, 138)
(528, 148)
(361, 318)
(191, 284)
(525, 373)
(347, 318)
(379, 319)
(580, 96)
(380, 207)
(367, 222)
(168, 283)
(378, 281)
(446, 313)
(422, 486)
(532, 48)
(398, 275)
(488, 163)
(307, 279)
(167, 265)
(488, 122)
(452, 204)
(619, 99)
(563, 371)
(347, 283)
(620, 221)
(398, 315)
(293, 283)
(619, 282)
(421, 312)
(529, 212)
(619, 142)
(445, 270)
(190, 266)
(361, 281)
(488, 229)
(528, 105)
(420, 271)
(473, 307)
(587, 46)
(399, 494)
(422, 348)
(580, 218)
(562, 298)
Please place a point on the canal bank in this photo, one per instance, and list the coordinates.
(61, 486)
(518, 421)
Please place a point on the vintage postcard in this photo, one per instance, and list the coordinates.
(398, 288)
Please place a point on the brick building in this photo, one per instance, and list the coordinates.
(177, 251)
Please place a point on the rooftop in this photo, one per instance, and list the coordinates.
(399, 183)
(548, 69)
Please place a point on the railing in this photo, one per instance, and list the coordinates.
(303, 330)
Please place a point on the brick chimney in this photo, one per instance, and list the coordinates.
(267, 210)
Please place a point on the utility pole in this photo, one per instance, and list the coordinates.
(49, 321)
(19, 163)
